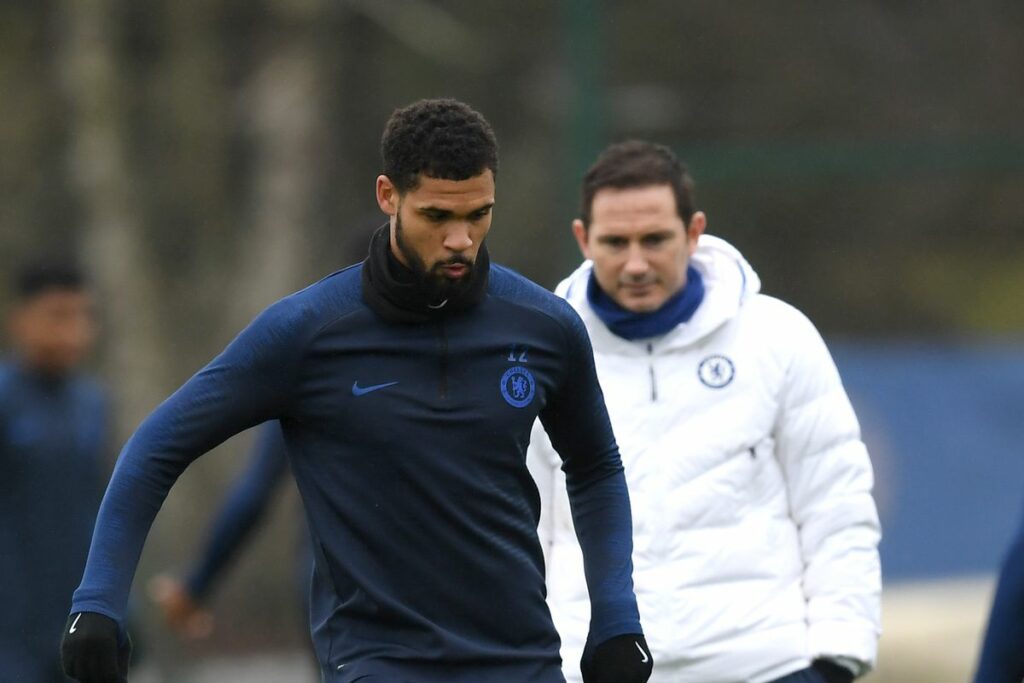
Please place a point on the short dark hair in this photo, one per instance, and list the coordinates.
(440, 138)
(42, 276)
(636, 163)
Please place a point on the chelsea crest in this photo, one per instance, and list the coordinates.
(518, 386)
(716, 371)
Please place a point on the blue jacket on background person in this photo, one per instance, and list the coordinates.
(54, 429)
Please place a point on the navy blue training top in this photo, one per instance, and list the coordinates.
(408, 444)
(53, 432)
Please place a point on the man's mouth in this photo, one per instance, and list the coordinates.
(637, 288)
(455, 271)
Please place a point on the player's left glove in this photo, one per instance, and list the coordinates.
(622, 659)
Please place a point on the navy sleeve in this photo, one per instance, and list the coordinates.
(244, 507)
(1002, 652)
(251, 382)
(577, 421)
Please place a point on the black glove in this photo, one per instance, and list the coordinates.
(832, 672)
(94, 649)
(622, 659)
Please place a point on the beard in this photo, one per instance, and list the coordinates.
(437, 286)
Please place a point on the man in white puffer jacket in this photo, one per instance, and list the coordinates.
(755, 533)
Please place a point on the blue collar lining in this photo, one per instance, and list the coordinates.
(679, 308)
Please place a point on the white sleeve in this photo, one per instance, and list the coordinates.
(829, 480)
(543, 463)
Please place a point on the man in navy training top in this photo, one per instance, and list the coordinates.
(406, 387)
(53, 432)
(1002, 651)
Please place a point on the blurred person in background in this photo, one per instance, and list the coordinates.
(54, 426)
(1002, 651)
(755, 532)
(406, 387)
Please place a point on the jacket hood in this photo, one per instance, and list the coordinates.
(729, 282)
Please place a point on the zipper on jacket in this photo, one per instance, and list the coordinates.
(443, 333)
(654, 381)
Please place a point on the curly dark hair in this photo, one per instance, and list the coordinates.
(440, 138)
(636, 163)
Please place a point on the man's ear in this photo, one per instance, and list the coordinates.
(579, 231)
(698, 222)
(387, 195)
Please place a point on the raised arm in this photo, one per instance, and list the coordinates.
(251, 382)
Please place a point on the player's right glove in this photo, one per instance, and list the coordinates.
(94, 649)
(622, 659)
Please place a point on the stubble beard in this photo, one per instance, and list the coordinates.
(435, 284)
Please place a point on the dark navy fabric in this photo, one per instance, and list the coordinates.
(807, 675)
(243, 509)
(53, 432)
(677, 309)
(1002, 651)
(408, 444)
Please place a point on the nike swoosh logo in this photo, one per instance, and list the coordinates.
(360, 391)
(75, 623)
(646, 658)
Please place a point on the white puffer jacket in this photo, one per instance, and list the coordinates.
(755, 533)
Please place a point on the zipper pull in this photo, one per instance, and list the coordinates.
(654, 381)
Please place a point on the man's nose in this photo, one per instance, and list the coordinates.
(457, 237)
(636, 261)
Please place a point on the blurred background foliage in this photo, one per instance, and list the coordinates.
(868, 157)
(205, 157)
